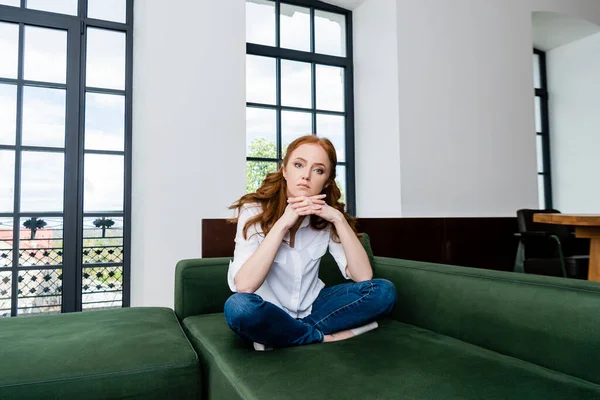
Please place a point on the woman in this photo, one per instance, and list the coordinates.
(283, 230)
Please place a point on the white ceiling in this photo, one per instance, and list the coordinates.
(551, 30)
(348, 4)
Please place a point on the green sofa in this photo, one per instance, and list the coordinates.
(455, 333)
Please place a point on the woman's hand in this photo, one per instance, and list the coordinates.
(314, 205)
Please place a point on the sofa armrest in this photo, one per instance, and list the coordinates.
(549, 321)
(201, 286)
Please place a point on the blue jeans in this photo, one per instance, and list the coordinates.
(337, 308)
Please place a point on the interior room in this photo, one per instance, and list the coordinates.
(155, 243)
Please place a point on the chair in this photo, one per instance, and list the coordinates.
(549, 249)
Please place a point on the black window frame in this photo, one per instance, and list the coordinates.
(72, 265)
(542, 94)
(313, 58)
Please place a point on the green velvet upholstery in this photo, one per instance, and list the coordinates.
(396, 361)
(455, 333)
(131, 353)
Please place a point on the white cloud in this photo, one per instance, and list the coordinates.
(7, 180)
(45, 55)
(103, 183)
(58, 6)
(295, 84)
(260, 79)
(42, 181)
(294, 27)
(9, 48)
(109, 10)
(43, 117)
(105, 59)
(8, 114)
(330, 88)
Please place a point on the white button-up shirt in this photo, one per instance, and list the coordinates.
(293, 282)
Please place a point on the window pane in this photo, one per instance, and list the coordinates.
(58, 6)
(45, 55)
(537, 82)
(330, 33)
(340, 180)
(5, 293)
(540, 154)
(42, 180)
(9, 48)
(541, 192)
(40, 291)
(109, 10)
(260, 22)
(102, 287)
(333, 128)
(261, 133)
(538, 114)
(256, 173)
(260, 79)
(103, 183)
(43, 117)
(6, 250)
(104, 121)
(105, 66)
(330, 88)
(8, 114)
(41, 240)
(295, 84)
(294, 27)
(7, 182)
(102, 240)
(14, 3)
(293, 125)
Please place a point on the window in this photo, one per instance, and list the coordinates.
(65, 155)
(542, 129)
(298, 81)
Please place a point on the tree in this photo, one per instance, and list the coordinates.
(34, 224)
(104, 224)
(256, 171)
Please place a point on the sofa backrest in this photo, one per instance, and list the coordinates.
(548, 321)
(201, 283)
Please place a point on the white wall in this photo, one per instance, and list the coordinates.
(377, 141)
(573, 85)
(465, 105)
(188, 133)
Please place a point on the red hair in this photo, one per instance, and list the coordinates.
(272, 194)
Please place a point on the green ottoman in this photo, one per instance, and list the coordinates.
(133, 353)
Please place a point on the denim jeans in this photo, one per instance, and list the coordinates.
(337, 308)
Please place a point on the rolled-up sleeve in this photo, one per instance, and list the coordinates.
(337, 251)
(244, 248)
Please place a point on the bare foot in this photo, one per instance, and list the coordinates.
(341, 335)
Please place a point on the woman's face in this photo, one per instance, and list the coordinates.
(307, 171)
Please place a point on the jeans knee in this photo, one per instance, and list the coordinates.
(386, 292)
(240, 307)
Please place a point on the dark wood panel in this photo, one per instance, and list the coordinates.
(419, 239)
(481, 242)
(217, 238)
(471, 242)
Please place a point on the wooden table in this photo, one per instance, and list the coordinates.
(586, 226)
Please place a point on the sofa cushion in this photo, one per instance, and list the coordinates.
(133, 353)
(394, 361)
